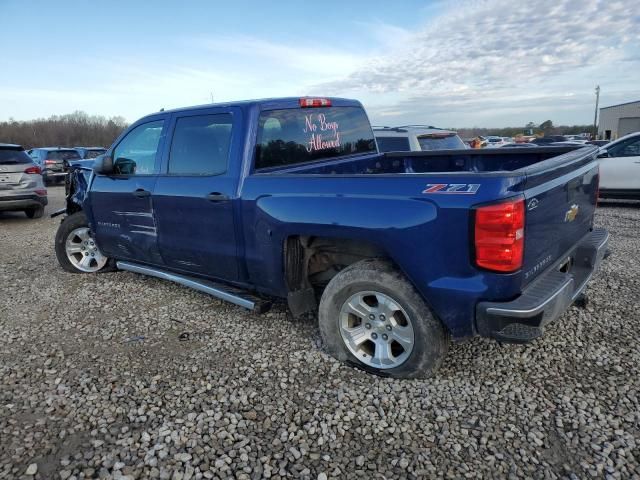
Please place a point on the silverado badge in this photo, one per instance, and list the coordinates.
(572, 213)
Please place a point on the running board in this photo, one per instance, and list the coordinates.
(223, 292)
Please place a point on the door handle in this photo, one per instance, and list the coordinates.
(217, 197)
(141, 193)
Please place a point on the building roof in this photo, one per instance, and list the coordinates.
(620, 104)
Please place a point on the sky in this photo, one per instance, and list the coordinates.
(483, 63)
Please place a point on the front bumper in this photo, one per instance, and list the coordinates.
(523, 319)
(21, 202)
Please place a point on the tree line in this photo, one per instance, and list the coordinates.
(545, 128)
(74, 129)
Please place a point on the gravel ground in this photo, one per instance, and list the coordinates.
(97, 383)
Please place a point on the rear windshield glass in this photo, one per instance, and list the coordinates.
(429, 142)
(393, 144)
(93, 153)
(288, 137)
(13, 157)
(63, 155)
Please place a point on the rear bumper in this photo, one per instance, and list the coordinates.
(21, 202)
(548, 297)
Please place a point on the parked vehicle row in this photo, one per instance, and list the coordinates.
(397, 252)
(54, 161)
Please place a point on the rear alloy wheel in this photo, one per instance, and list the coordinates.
(76, 249)
(376, 330)
(371, 317)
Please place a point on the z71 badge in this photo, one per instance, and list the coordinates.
(463, 188)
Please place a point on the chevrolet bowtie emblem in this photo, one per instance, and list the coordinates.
(572, 213)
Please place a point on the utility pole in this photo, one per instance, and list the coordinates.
(595, 115)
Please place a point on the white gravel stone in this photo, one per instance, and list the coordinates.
(253, 396)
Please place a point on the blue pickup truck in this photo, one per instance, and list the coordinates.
(290, 199)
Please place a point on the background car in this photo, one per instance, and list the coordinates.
(90, 152)
(495, 142)
(53, 162)
(21, 185)
(599, 143)
(620, 168)
(548, 139)
(416, 138)
(518, 145)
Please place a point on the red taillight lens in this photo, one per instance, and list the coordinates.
(41, 191)
(49, 162)
(315, 102)
(33, 170)
(499, 236)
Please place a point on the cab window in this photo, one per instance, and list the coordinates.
(136, 153)
(200, 145)
(291, 136)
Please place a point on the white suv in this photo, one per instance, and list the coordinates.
(620, 168)
(416, 138)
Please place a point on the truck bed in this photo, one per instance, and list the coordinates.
(443, 161)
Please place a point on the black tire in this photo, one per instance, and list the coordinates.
(68, 225)
(431, 338)
(34, 212)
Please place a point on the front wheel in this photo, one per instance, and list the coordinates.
(76, 248)
(372, 317)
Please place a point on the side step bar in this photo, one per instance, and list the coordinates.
(223, 292)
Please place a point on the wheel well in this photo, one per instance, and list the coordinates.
(311, 262)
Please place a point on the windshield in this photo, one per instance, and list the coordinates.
(440, 142)
(94, 153)
(297, 135)
(63, 155)
(13, 157)
(393, 144)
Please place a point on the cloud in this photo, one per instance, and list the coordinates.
(481, 54)
(496, 43)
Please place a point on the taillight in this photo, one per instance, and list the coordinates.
(499, 236)
(41, 191)
(49, 162)
(33, 170)
(315, 102)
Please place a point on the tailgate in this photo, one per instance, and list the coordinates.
(560, 200)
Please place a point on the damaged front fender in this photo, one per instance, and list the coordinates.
(76, 188)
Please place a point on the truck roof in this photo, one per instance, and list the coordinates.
(271, 103)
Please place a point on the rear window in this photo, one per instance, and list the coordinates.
(93, 153)
(9, 156)
(393, 144)
(440, 142)
(292, 136)
(63, 155)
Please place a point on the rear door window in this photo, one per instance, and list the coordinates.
(393, 144)
(200, 145)
(440, 142)
(63, 155)
(298, 135)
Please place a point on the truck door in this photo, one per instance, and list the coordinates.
(620, 169)
(121, 204)
(195, 195)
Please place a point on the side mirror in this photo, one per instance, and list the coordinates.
(103, 165)
(603, 154)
